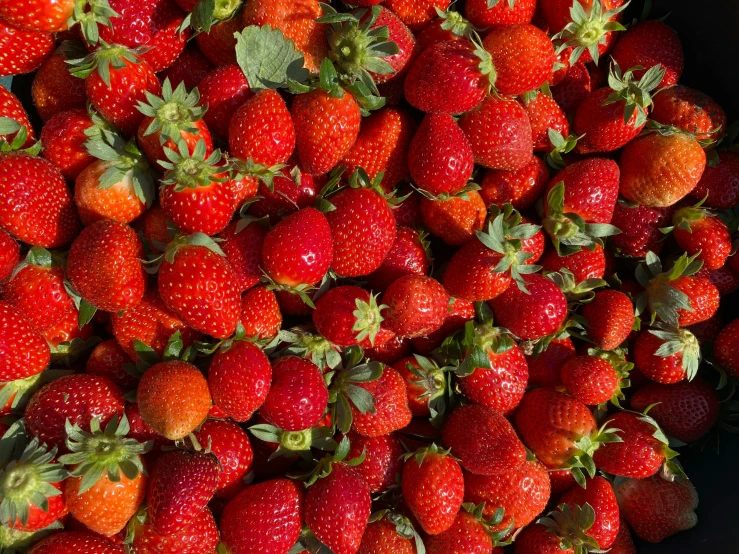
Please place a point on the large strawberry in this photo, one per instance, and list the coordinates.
(24, 351)
(483, 13)
(260, 313)
(697, 231)
(667, 355)
(651, 43)
(196, 263)
(610, 317)
(590, 379)
(690, 110)
(231, 446)
(384, 537)
(23, 51)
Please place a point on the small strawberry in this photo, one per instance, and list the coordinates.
(483, 440)
(415, 305)
(667, 355)
(173, 398)
(181, 485)
(500, 133)
(719, 184)
(109, 360)
(242, 244)
(651, 43)
(383, 459)
(407, 256)
(545, 367)
(69, 542)
(690, 110)
(290, 190)
(260, 313)
(483, 13)
(190, 68)
(640, 229)
(545, 114)
(264, 517)
(349, 315)
(25, 353)
(467, 534)
(200, 535)
(433, 488)
(391, 411)
(63, 138)
(239, 379)
(55, 89)
(23, 51)
(383, 537)
(655, 508)
(224, 90)
(519, 187)
(698, 232)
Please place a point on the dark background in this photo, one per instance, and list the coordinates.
(709, 30)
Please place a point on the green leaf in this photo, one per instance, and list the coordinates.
(87, 312)
(268, 59)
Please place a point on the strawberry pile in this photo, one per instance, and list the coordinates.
(222, 327)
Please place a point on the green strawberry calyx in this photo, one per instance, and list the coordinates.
(684, 217)
(189, 170)
(671, 469)
(479, 341)
(103, 59)
(617, 359)
(207, 13)
(403, 526)
(9, 126)
(324, 466)
(679, 341)
(434, 381)
(571, 524)
(582, 461)
(636, 95)
(368, 319)
(311, 346)
(588, 30)
(560, 146)
(576, 293)
(89, 14)
(501, 537)
(455, 23)
(173, 113)
(102, 452)
(244, 169)
(292, 443)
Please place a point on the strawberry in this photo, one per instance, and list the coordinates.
(231, 446)
(651, 43)
(194, 185)
(440, 157)
(290, 191)
(655, 508)
(200, 535)
(686, 410)
(239, 379)
(76, 399)
(383, 459)
(9, 257)
(55, 89)
(23, 51)
(610, 318)
(326, 128)
(425, 383)
(519, 187)
(467, 534)
(522, 492)
(599, 496)
(12, 108)
(482, 13)
(433, 488)
(560, 431)
(416, 13)
(38, 15)
(337, 508)
(698, 232)
(612, 116)
(104, 266)
(585, 264)
(49, 220)
(415, 305)
(640, 229)
(538, 539)
(219, 43)
(500, 133)
(458, 314)
(623, 544)
(350, 315)
(99, 493)
(69, 542)
(391, 351)
(391, 411)
(190, 68)
(224, 90)
(362, 227)
(590, 379)
(298, 250)
(116, 80)
(180, 486)
(154, 25)
(25, 352)
(720, 184)
(265, 517)
(188, 265)
(407, 256)
(447, 77)
(517, 310)
(546, 366)
(173, 398)
(243, 248)
(574, 87)
(151, 323)
(724, 348)
(690, 110)
(260, 313)
(383, 537)
(30, 491)
(63, 138)
(108, 359)
(483, 440)
(297, 21)
(667, 355)
(544, 114)
(649, 175)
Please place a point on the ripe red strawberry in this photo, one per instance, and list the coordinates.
(187, 267)
(363, 230)
(416, 13)
(600, 497)
(38, 15)
(537, 539)
(108, 359)
(460, 312)
(349, 315)
(74, 398)
(519, 311)
(69, 542)
(698, 232)
(299, 249)
(407, 256)
(260, 313)
(425, 383)
(686, 410)
(447, 77)
(590, 189)
(239, 379)
(9, 256)
(391, 411)
(264, 517)
(640, 229)
(231, 446)
(194, 185)
(298, 395)
(433, 488)
(482, 14)
(173, 398)
(290, 191)
(574, 88)
(522, 492)
(440, 156)
(544, 114)
(483, 440)
(63, 138)
(262, 130)
(242, 245)
(456, 219)
(12, 108)
(690, 110)
(382, 537)
(500, 133)
(337, 508)
(200, 535)
(55, 89)
(224, 90)
(656, 508)
(104, 266)
(467, 534)
(219, 44)
(610, 318)
(22, 51)
(190, 68)
(590, 379)
(651, 43)
(116, 91)
(155, 25)
(42, 212)
(725, 350)
(545, 368)
(519, 187)
(667, 356)
(415, 305)
(720, 183)
(585, 264)
(649, 175)
(151, 323)
(383, 459)
(181, 485)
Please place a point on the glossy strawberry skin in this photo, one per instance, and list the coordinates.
(417, 305)
(502, 386)
(383, 459)
(599, 494)
(639, 455)
(298, 395)
(23, 51)
(12, 108)
(469, 274)
(9, 256)
(109, 360)
(585, 264)
(185, 207)
(603, 125)
(640, 229)
(536, 539)
(433, 489)
(243, 249)
(591, 188)
(704, 299)
(63, 138)
(648, 44)
(708, 237)
(465, 535)
(574, 87)
(262, 130)
(407, 256)
(224, 90)
(590, 379)
(690, 110)
(609, 331)
(719, 183)
(260, 313)
(544, 114)
(519, 187)
(265, 517)
(219, 44)
(231, 446)
(69, 542)
(455, 220)
(288, 196)
(200, 535)
(382, 537)
(481, 14)
(391, 406)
